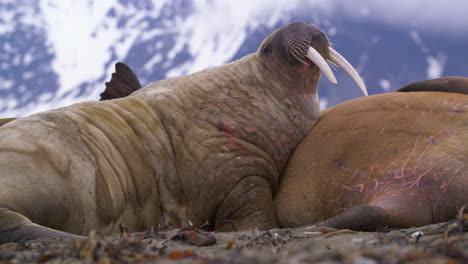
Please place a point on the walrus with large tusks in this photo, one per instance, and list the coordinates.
(207, 147)
(396, 160)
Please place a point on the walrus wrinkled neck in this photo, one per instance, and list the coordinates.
(297, 86)
(282, 114)
(294, 92)
(241, 100)
(301, 78)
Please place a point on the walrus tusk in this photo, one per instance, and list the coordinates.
(341, 62)
(316, 58)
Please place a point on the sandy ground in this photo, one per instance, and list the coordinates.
(439, 243)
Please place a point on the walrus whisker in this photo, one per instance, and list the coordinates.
(297, 54)
(316, 58)
(341, 62)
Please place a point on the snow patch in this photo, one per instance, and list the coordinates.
(27, 75)
(222, 27)
(24, 13)
(7, 47)
(6, 84)
(416, 37)
(435, 65)
(81, 49)
(323, 102)
(384, 84)
(28, 58)
(149, 66)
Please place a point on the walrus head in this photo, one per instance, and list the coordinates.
(305, 47)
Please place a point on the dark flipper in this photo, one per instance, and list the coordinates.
(122, 83)
(452, 84)
(362, 217)
(402, 211)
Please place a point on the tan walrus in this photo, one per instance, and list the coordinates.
(396, 160)
(207, 147)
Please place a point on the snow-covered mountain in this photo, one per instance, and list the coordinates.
(57, 52)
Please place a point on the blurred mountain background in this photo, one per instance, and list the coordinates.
(57, 52)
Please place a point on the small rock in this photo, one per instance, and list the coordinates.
(195, 237)
(417, 234)
(357, 240)
(364, 260)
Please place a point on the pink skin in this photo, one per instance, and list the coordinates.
(416, 182)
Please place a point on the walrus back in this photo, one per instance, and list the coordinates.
(405, 151)
(90, 155)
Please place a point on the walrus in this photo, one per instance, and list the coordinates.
(202, 149)
(392, 160)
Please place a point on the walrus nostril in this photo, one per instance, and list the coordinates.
(320, 35)
(320, 42)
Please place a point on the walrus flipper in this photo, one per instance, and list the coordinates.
(33, 231)
(123, 83)
(452, 84)
(15, 227)
(363, 217)
(394, 211)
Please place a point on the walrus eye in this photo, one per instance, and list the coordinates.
(267, 49)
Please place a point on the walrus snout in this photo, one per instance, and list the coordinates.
(300, 44)
(295, 40)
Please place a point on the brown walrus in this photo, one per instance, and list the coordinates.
(207, 147)
(396, 160)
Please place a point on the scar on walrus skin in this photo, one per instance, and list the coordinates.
(389, 160)
(206, 147)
